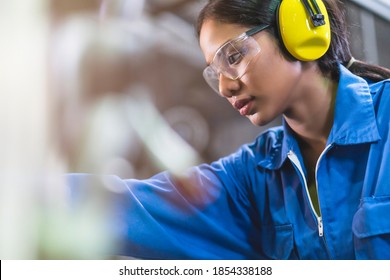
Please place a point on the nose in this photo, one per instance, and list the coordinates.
(228, 87)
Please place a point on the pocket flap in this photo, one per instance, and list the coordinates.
(372, 218)
(277, 241)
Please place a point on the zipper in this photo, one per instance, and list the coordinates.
(294, 159)
(319, 218)
(320, 226)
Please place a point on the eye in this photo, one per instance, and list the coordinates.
(234, 58)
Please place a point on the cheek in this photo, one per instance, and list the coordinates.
(273, 83)
(262, 81)
(262, 73)
(273, 76)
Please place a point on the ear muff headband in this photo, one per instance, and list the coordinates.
(304, 28)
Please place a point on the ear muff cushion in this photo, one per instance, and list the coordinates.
(300, 37)
(277, 33)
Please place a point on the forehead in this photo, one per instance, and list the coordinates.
(214, 34)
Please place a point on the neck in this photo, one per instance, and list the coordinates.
(311, 116)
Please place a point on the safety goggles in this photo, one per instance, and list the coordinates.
(232, 58)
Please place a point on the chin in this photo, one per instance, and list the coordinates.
(258, 120)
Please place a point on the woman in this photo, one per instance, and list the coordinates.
(315, 188)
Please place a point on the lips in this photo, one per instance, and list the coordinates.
(243, 105)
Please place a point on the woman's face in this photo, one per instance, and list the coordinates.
(270, 84)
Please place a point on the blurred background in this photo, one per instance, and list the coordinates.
(113, 87)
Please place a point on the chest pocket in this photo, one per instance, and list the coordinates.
(371, 229)
(278, 241)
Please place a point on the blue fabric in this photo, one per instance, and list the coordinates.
(253, 204)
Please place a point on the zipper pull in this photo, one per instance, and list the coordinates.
(320, 227)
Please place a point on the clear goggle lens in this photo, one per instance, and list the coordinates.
(231, 60)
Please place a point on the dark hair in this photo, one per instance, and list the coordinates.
(255, 12)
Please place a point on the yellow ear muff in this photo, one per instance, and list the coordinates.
(301, 38)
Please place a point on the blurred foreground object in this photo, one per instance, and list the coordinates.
(36, 219)
(71, 100)
(25, 145)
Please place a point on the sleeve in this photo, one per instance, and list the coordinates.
(205, 215)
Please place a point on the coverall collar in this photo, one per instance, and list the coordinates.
(354, 120)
